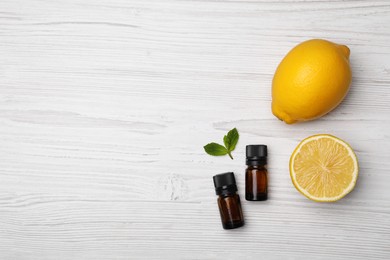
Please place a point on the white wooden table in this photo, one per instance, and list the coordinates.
(105, 107)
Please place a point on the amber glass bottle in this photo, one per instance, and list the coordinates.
(228, 201)
(256, 180)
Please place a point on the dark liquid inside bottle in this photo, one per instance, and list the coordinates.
(231, 212)
(256, 183)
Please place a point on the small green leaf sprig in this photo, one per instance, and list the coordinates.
(230, 140)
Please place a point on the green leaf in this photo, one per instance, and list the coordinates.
(231, 139)
(215, 149)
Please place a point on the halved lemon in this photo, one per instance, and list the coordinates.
(324, 168)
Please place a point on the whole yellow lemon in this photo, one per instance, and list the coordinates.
(311, 80)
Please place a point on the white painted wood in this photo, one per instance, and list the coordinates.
(105, 106)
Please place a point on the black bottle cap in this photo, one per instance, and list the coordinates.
(256, 153)
(225, 183)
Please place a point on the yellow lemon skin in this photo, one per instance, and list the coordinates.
(310, 81)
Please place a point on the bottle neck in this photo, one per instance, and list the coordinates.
(259, 162)
(226, 193)
(226, 190)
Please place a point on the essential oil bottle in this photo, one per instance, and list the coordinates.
(256, 180)
(228, 201)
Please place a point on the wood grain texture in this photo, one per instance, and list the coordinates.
(105, 106)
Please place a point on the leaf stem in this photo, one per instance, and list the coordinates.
(230, 155)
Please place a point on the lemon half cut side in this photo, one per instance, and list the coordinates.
(324, 168)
